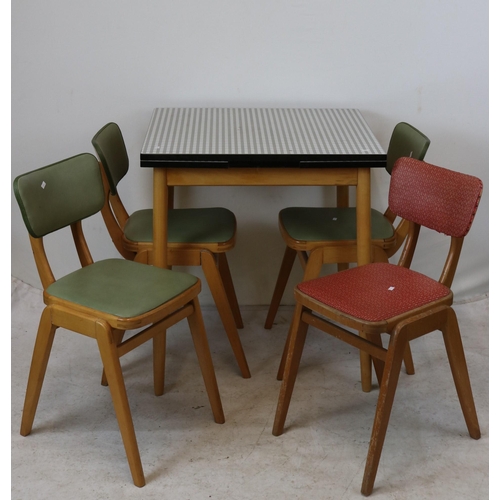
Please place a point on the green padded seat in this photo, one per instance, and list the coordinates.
(121, 287)
(330, 224)
(196, 236)
(185, 225)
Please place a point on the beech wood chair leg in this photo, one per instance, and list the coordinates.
(281, 368)
(303, 258)
(202, 348)
(456, 357)
(143, 257)
(119, 334)
(365, 365)
(294, 353)
(227, 281)
(279, 289)
(314, 265)
(39, 361)
(114, 375)
(312, 271)
(408, 361)
(378, 364)
(388, 387)
(216, 286)
(159, 352)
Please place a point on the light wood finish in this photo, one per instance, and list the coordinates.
(108, 331)
(165, 178)
(402, 330)
(254, 176)
(437, 315)
(322, 253)
(171, 254)
(160, 192)
(406, 141)
(363, 202)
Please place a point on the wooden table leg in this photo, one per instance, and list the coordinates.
(342, 202)
(160, 211)
(363, 223)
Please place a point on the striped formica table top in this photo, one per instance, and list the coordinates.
(250, 136)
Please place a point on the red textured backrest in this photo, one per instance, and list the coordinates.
(434, 197)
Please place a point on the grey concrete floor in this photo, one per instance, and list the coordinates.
(75, 449)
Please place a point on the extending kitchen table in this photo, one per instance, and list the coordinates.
(260, 147)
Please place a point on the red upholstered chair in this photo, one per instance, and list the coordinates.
(386, 298)
(326, 235)
(333, 229)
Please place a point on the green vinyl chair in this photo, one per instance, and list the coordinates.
(325, 235)
(101, 300)
(196, 236)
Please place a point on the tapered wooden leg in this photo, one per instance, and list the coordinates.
(312, 271)
(342, 201)
(159, 351)
(456, 357)
(221, 301)
(408, 361)
(119, 334)
(365, 365)
(314, 265)
(378, 364)
(294, 353)
(114, 375)
(39, 361)
(227, 281)
(279, 289)
(202, 348)
(303, 258)
(388, 387)
(143, 256)
(363, 230)
(281, 368)
(160, 217)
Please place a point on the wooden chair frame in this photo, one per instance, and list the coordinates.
(402, 329)
(405, 141)
(108, 330)
(210, 256)
(313, 255)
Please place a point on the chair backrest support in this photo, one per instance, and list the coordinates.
(434, 197)
(60, 194)
(437, 198)
(57, 196)
(110, 147)
(406, 141)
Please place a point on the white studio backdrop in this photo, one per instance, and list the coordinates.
(79, 65)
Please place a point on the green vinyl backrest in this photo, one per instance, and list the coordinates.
(60, 194)
(406, 141)
(112, 152)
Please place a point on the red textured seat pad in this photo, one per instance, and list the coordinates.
(375, 292)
